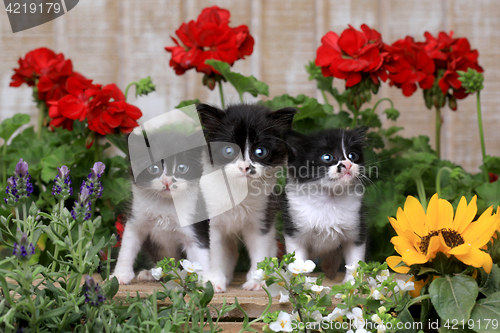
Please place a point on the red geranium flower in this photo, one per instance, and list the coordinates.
(120, 228)
(451, 55)
(353, 55)
(411, 65)
(209, 37)
(32, 66)
(108, 112)
(75, 104)
(493, 177)
(57, 119)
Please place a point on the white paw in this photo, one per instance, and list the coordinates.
(145, 275)
(218, 284)
(123, 278)
(253, 285)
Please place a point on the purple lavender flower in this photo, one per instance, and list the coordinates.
(19, 186)
(93, 293)
(62, 188)
(93, 183)
(82, 210)
(23, 251)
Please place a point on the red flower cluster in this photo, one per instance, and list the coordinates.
(120, 228)
(353, 55)
(209, 37)
(356, 55)
(70, 96)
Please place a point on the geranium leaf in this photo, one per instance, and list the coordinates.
(406, 317)
(490, 193)
(485, 311)
(454, 297)
(240, 82)
(188, 102)
(10, 125)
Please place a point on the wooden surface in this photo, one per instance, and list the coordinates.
(253, 302)
(123, 40)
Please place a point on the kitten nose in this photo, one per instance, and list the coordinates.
(244, 167)
(344, 164)
(167, 182)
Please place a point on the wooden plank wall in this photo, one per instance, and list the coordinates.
(123, 40)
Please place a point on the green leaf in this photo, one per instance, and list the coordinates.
(490, 193)
(61, 156)
(119, 141)
(485, 311)
(323, 83)
(207, 295)
(188, 102)
(10, 125)
(54, 313)
(113, 288)
(240, 82)
(491, 281)
(391, 113)
(115, 189)
(454, 297)
(406, 317)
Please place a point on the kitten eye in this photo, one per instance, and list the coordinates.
(261, 152)
(328, 158)
(228, 151)
(154, 169)
(182, 168)
(353, 156)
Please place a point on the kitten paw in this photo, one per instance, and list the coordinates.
(145, 275)
(218, 284)
(253, 285)
(125, 278)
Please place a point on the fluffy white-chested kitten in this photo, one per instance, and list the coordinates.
(165, 193)
(323, 198)
(246, 151)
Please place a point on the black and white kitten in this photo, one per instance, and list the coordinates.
(246, 151)
(167, 203)
(323, 197)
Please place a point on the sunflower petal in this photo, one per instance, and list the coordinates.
(465, 214)
(461, 249)
(481, 231)
(416, 216)
(475, 257)
(434, 247)
(445, 214)
(433, 213)
(393, 261)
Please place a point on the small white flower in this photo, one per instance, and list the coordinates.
(283, 324)
(284, 298)
(316, 316)
(317, 289)
(157, 273)
(377, 295)
(352, 269)
(258, 275)
(300, 266)
(191, 267)
(356, 316)
(309, 282)
(275, 289)
(381, 329)
(404, 286)
(376, 319)
(172, 285)
(382, 310)
(338, 296)
(384, 275)
(295, 315)
(336, 314)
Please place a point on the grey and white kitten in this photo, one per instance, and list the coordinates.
(323, 212)
(246, 151)
(165, 192)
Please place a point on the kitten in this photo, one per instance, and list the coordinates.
(323, 197)
(166, 204)
(246, 152)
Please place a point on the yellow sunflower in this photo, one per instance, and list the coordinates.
(421, 236)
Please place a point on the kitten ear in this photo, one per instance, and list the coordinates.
(210, 116)
(284, 117)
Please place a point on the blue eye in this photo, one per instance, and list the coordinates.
(228, 151)
(327, 158)
(353, 156)
(154, 169)
(182, 168)
(261, 152)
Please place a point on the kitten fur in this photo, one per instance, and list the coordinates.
(252, 136)
(323, 211)
(154, 220)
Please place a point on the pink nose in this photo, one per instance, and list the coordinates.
(167, 181)
(347, 164)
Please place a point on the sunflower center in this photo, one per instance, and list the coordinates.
(452, 238)
(425, 241)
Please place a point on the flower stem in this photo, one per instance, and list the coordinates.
(221, 93)
(439, 122)
(4, 165)
(372, 111)
(438, 179)
(128, 87)
(354, 119)
(24, 217)
(41, 115)
(97, 151)
(108, 263)
(325, 98)
(421, 192)
(481, 132)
